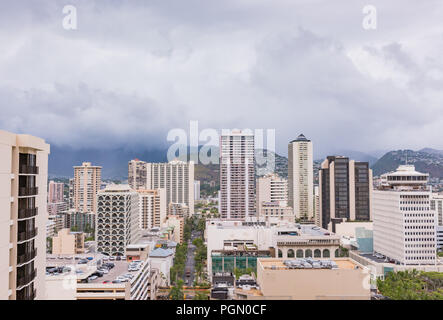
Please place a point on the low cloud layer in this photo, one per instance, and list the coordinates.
(134, 70)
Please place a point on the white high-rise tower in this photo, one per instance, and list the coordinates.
(237, 175)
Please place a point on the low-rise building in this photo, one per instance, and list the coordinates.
(344, 280)
(67, 242)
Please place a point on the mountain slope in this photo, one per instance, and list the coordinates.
(425, 162)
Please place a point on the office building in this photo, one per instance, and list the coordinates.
(404, 224)
(23, 197)
(87, 182)
(237, 175)
(153, 210)
(301, 178)
(345, 188)
(117, 219)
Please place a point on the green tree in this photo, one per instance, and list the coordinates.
(176, 292)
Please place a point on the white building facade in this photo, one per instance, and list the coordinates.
(117, 222)
(237, 175)
(404, 224)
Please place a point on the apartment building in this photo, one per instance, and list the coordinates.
(301, 178)
(87, 182)
(345, 188)
(271, 188)
(176, 177)
(153, 210)
(404, 224)
(117, 219)
(80, 221)
(55, 192)
(137, 174)
(237, 175)
(23, 197)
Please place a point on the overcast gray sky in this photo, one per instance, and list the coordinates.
(135, 69)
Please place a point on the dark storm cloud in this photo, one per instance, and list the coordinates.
(134, 70)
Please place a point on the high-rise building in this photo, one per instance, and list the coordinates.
(437, 206)
(55, 193)
(196, 190)
(345, 188)
(301, 178)
(404, 224)
(137, 174)
(117, 219)
(237, 175)
(176, 177)
(153, 209)
(87, 181)
(71, 194)
(23, 197)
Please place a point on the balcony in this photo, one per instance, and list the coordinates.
(24, 192)
(25, 169)
(27, 235)
(27, 278)
(24, 258)
(27, 213)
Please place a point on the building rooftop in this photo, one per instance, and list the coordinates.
(301, 137)
(279, 264)
(160, 253)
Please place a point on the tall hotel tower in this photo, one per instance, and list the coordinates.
(237, 175)
(23, 185)
(301, 178)
(87, 181)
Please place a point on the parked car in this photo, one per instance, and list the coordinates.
(91, 278)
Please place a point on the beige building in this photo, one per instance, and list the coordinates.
(271, 188)
(347, 280)
(87, 181)
(272, 211)
(178, 223)
(67, 242)
(23, 197)
(301, 178)
(153, 210)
